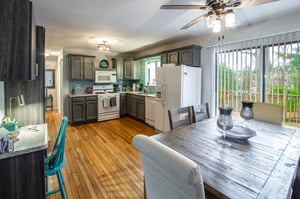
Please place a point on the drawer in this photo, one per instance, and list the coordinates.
(91, 98)
(78, 99)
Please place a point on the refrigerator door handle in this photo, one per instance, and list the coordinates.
(165, 95)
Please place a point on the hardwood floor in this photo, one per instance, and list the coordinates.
(101, 160)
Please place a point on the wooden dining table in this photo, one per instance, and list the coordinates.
(262, 166)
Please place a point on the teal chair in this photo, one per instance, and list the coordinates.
(56, 160)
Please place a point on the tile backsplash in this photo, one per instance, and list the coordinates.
(80, 85)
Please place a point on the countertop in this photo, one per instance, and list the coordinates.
(30, 139)
(131, 92)
(82, 95)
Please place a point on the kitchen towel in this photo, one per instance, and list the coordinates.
(113, 101)
(106, 102)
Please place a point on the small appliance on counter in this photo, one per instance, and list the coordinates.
(133, 87)
(89, 90)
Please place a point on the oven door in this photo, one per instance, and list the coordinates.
(105, 105)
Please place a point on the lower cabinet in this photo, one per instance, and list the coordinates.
(22, 176)
(136, 106)
(83, 109)
(123, 104)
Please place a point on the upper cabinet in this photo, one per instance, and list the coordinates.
(82, 67)
(189, 55)
(131, 71)
(17, 41)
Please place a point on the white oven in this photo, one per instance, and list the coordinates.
(108, 102)
(105, 76)
(108, 106)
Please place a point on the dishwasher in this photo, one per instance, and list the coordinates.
(150, 110)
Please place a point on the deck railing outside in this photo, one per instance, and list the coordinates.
(290, 102)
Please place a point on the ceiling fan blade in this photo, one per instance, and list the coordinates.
(187, 7)
(248, 3)
(194, 21)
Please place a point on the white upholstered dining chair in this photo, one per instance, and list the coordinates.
(167, 173)
(267, 112)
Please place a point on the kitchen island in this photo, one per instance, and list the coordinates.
(22, 170)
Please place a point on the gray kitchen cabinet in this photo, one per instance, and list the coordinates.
(82, 67)
(119, 68)
(190, 56)
(91, 108)
(128, 96)
(83, 109)
(140, 109)
(136, 107)
(130, 70)
(163, 59)
(123, 104)
(89, 68)
(173, 57)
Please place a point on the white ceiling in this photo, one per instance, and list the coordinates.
(132, 24)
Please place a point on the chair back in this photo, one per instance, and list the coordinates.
(200, 112)
(168, 174)
(180, 116)
(267, 112)
(57, 156)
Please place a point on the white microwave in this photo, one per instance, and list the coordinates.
(102, 76)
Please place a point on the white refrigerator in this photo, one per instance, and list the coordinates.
(176, 86)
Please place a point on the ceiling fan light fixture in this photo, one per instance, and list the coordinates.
(230, 19)
(217, 26)
(211, 20)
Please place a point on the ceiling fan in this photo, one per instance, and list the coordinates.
(216, 10)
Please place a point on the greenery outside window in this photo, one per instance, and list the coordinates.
(262, 70)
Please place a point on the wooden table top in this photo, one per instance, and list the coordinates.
(263, 166)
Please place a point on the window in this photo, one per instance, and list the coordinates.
(262, 70)
(150, 66)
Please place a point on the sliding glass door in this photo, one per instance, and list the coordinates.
(262, 70)
(282, 85)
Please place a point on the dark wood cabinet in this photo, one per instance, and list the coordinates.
(22, 176)
(84, 109)
(17, 41)
(33, 91)
(82, 67)
(123, 104)
(136, 106)
(189, 56)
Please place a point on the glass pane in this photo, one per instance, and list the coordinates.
(238, 77)
(283, 78)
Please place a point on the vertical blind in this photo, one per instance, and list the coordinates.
(262, 70)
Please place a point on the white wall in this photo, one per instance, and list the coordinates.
(51, 63)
